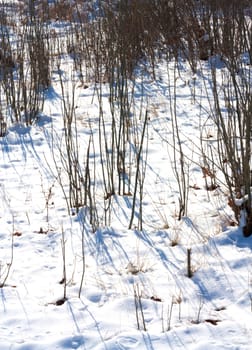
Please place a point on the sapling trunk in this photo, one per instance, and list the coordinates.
(189, 267)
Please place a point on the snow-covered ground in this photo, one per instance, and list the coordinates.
(124, 269)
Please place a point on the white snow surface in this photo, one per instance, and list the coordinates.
(210, 310)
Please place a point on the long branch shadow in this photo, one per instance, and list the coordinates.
(3, 299)
(104, 241)
(96, 323)
(79, 338)
(168, 264)
(22, 136)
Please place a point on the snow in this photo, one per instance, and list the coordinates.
(210, 310)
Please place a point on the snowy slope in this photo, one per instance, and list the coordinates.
(210, 310)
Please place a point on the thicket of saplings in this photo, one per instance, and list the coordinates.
(112, 44)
